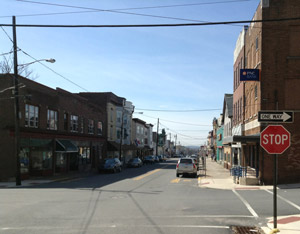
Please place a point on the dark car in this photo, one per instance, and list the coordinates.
(110, 165)
(135, 162)
(149, 160)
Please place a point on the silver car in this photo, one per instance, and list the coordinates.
(186, 166)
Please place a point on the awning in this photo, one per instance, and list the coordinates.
(112, 146)
(31, 142)
(246, 139)
(65, 146)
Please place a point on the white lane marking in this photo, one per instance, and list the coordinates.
(286, 200)
(246, 203)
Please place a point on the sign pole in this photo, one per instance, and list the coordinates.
(275, 192)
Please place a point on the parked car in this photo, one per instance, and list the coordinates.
(149, 160)
(135, 162)
(110, 165)
(186, 166)
(156, 159)
(196, 160)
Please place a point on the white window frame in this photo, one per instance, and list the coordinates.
(52, 119)
(31, 116)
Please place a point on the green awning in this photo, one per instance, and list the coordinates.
(65, 146)
(30, 142)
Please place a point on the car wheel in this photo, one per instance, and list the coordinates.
(177, 175)
(115, 170)
(195, 175)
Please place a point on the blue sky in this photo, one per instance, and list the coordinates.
(170, 68)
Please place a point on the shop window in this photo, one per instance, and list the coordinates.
(31, 116)
(24, 160)
(99, 128)
(52, 120)
(61, 162)
(74, 123)
(41, 159)
(84, 155)
(91, 126)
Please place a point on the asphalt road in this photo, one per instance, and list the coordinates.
(146, 200)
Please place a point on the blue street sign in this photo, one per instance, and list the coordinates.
(249, 75)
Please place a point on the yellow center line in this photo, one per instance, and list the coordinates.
(175, 181)
(145, 175)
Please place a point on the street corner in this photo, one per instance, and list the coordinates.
(285, 225)
(224, 184)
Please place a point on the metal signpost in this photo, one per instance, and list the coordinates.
(275, 139)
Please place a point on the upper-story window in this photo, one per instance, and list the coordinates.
(99, 128)
(31, 116)
(66, 120)
(138, 129)
(52, 119)
(81, 125)
(119, 116)
(74, 123)
(91, 126)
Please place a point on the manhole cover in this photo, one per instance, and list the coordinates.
(246, 230)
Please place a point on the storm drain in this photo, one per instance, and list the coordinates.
(246, 230)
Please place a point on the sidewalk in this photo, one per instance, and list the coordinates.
(217, 177)
(43, 180)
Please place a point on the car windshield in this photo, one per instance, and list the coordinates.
(109, 161)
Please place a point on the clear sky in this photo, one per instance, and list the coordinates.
(161, 68)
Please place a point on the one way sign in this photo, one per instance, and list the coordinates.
(276, 116)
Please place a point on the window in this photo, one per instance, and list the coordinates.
(31, 116)
(111, 114)
(91, 126)
(119, 116)
(74, 123)
(138, 129)
(118, 134)
(99, 128)
(52, 119)
(81, 125)
(66, 117)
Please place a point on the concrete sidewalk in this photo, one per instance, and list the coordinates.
(217, 177)
(44, 180)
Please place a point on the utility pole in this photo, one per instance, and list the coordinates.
(157, 137)
(16, 106)
(121, 137)
(175, 142)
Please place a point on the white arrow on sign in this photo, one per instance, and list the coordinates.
(285, 116)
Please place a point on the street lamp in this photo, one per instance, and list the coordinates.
(16, 103)
(50, 60)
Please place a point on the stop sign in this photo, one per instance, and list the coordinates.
(275, 139)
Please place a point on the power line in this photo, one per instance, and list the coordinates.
(121, 11)
(149, 25)
(65, 78)
(157, 110)
(7, 35)
(177, 122)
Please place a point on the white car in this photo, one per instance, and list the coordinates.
(186, 166)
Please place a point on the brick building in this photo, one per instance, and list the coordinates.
(273, 48)
(59, 131)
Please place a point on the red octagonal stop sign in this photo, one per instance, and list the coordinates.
(275, 139)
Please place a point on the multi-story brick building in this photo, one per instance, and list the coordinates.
(59, 131)
(118, 115)
(273, 48)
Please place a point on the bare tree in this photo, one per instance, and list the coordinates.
(6, 66)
